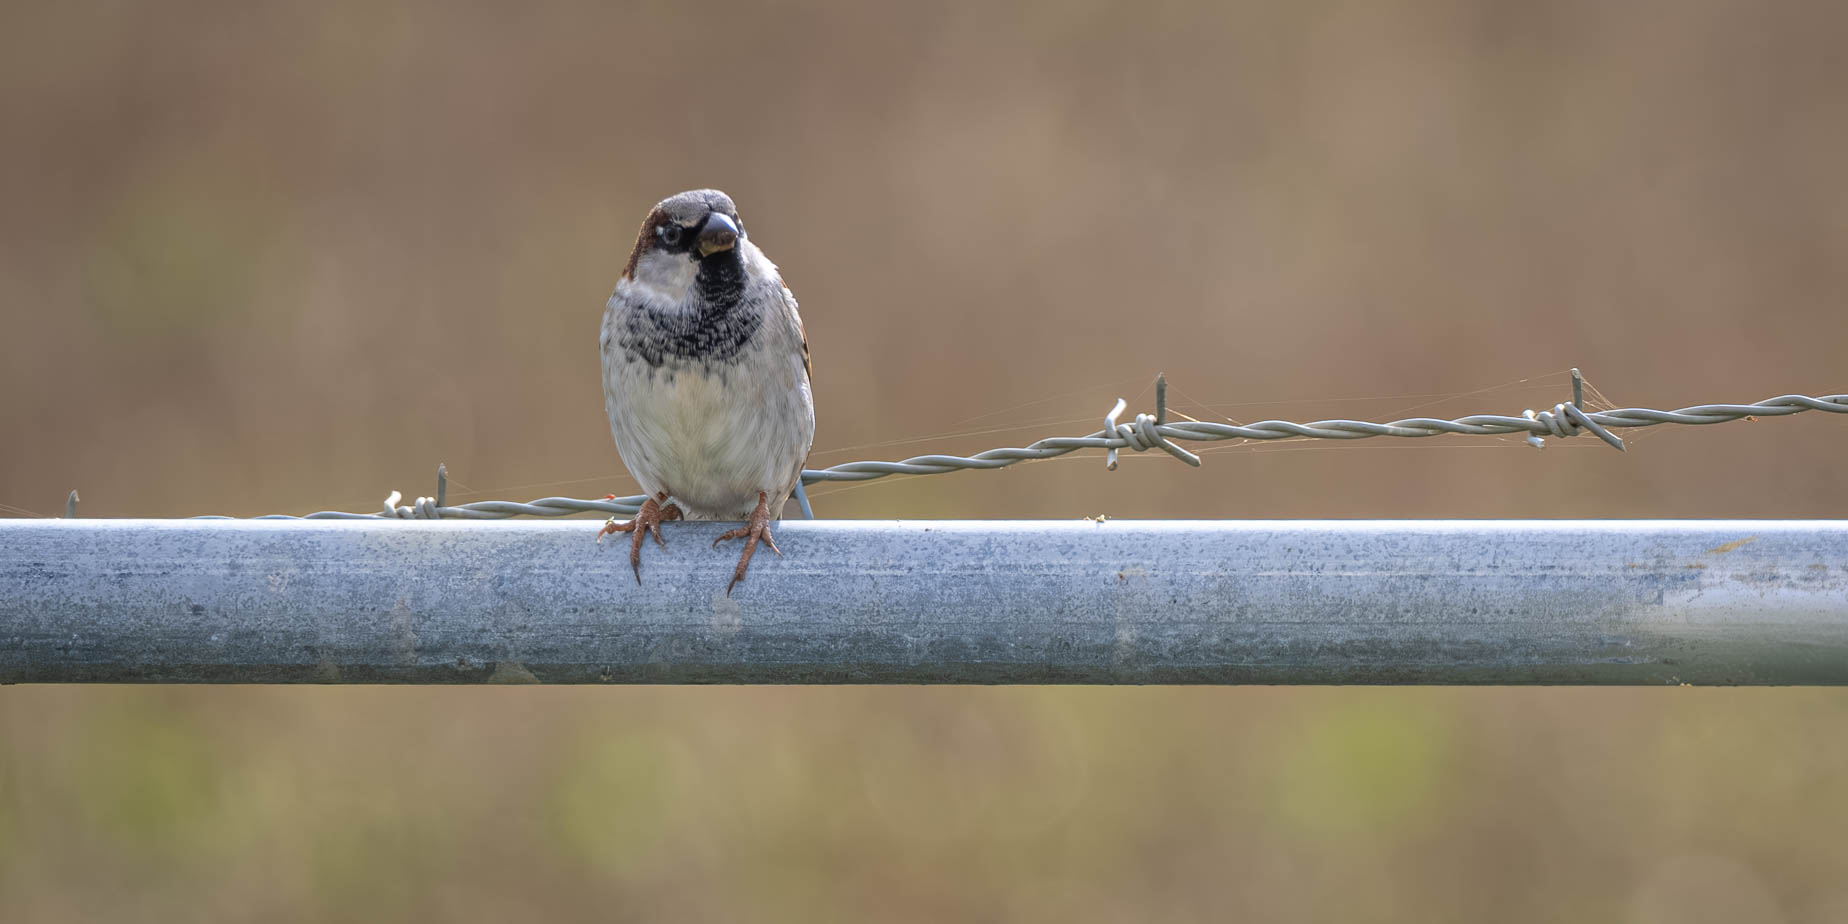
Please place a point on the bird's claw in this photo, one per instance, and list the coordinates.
(647, 520)
(757, 528)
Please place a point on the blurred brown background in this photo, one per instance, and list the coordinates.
(287, 258)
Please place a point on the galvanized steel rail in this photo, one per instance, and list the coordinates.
(1469, 602)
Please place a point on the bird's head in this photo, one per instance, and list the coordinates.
(688, 235)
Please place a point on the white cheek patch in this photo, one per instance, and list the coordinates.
(662, 280)
(756, 265)
(665, 281)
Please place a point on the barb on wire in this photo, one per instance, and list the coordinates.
(1151, 431)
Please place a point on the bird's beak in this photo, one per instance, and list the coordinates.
(719, 233)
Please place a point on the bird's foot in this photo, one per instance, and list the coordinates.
(757, 528)
(647, 520)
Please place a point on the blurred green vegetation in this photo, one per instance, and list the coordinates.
(1363, 766)
(285, 257)
(169, 261)
(791, 804)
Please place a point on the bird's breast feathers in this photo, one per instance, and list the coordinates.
(711, 410)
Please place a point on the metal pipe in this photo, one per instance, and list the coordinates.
(385, 601)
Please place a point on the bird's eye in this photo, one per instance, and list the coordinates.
(670, 234)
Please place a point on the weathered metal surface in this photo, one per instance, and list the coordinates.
(382, 601)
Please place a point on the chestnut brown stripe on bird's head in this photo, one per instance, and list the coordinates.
(642, 239)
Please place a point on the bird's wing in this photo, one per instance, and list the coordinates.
(808, 367)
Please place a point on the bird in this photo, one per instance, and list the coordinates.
(706, 377)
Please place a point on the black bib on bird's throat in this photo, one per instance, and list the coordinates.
(716, 332)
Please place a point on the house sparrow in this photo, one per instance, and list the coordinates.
(705, 376)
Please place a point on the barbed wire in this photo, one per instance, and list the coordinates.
(1149, 431)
